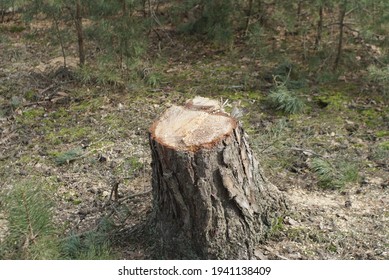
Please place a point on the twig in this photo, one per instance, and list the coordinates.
(114, 190)
(306, 151)
(133, 196)
(268, 146)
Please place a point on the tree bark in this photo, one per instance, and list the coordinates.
(248, 17)
(80, 33)
(319, 28)
(342, 14)
(211, 200)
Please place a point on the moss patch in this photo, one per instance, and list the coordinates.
(333, 100)
(69, 134)
(384, 145)
(29, 117)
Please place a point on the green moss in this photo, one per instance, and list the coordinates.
(335, 100)
(24, 159)
(34, 113)
(371, 117)
(382, 133)
(134, 162)
(70, 196)
(60, 113)
(87, 105)
(31, 95)
(276, 227)
(384, 145)
(68, 134)
(30, 116)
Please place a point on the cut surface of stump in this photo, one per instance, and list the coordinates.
(185, 129)
(211, 200)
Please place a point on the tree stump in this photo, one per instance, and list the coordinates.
(210, 198)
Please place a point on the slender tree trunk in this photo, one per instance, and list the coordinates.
(124, 7)
(80, 33)
(144, 3)
(319, 28)
(299, 11)
(342, 13)
(248, 17)
(58, 31)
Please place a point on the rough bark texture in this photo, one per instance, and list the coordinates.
(211, 200)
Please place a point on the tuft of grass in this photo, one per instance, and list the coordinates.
(94, 245)
(324, 171)
(104, 76)
(277, 226)
(152, 80)
(334, 176)
(284, 100)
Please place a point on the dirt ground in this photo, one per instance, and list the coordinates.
(84, 139)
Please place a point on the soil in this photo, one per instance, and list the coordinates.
(86, 139)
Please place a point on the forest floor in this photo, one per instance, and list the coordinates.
(82, 137)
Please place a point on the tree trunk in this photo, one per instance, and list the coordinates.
(211, 200)
(342, 14)
(80, 34)
(248, 18)
(124, 7)
(319, 28)
(60, 39)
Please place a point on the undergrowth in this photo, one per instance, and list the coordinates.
(334, 175)
(380, 78)
(32, 234)
(31, 231)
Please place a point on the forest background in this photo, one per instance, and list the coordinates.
(81, 82)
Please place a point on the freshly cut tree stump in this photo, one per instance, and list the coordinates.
(211, 200)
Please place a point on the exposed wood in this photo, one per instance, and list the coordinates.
(211, 200)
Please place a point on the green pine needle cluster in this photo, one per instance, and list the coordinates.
(324, 171)
(283, 99)
(68, 156)
(380, 77)
(31, 231)
(330, 176)
(93, 245)
(33, 235)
